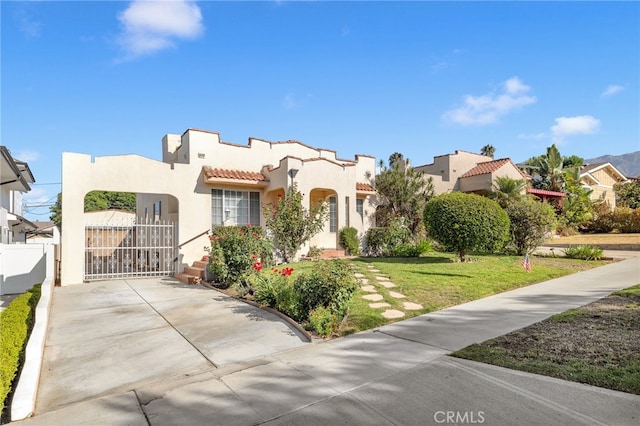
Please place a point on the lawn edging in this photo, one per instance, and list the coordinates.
(24, 397)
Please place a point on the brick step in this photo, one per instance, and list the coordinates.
(195, 271)
(332, 253)
(187, 279)
(200, 264)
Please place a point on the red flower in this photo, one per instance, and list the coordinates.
(257, 266)
(286, 272)
(253, 256)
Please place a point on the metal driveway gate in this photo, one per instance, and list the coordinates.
(130, 250)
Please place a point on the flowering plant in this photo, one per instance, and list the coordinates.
(274, 288)
(234, 249)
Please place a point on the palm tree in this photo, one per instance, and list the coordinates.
(488, 150)
(550, 170)
(505, 189)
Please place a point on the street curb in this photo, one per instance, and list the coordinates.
(24, 397)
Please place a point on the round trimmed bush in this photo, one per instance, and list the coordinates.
(462, 222)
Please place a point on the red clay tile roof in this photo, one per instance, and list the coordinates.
(211, 173)
(364, 187)
(490, 167)
(545, 192)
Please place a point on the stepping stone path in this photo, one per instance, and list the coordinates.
(392, 313)
(410, 306)
(373, 297)
(396, 295)
(376, 297)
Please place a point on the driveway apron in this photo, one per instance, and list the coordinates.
(113, 336)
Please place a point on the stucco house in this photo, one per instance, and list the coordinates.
(600, 179)
(468, 172)
(203, 182)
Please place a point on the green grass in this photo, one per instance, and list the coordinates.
(597, 344)
(438, 281)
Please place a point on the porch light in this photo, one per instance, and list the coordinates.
(292, 174)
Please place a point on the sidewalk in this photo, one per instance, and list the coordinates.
(397, 374)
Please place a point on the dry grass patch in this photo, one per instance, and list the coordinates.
(597, 344)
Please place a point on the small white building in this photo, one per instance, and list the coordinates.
(203, 182)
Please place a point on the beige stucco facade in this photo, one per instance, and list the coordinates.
(600, 179)
(468, 172)
(179, 188)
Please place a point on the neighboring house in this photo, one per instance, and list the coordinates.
(203, 182)
(45, 233)
(21, 265)
(600, 179)
(468, 172)
(14, 181)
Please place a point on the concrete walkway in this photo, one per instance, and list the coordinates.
(397, 374)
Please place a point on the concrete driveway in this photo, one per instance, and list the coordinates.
(111, 336)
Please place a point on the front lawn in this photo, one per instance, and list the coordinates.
(438, 281)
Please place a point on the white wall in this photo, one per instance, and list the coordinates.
(21, 267)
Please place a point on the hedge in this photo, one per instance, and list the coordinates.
(15, 326)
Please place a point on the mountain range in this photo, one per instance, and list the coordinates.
(627, 164)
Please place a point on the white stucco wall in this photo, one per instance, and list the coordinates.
(179, 184)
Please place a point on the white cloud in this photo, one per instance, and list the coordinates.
(612, 90)
(151, 26)
(489, 108)
(345, 31)
(578, 125)
(27, 25)
(27, 155)
(292, 101)
(532, 136)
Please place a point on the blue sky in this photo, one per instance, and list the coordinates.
(419, 78)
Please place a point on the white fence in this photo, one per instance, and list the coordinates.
(22, 266)
(130, 250)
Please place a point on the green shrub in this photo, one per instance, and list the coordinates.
(15, 326)
(329, 284)
(530, 223)
(234, 250)
(583, 252)
(601, 221)
(323, 321)
(412, 249)
(349, 240)
(275, 289)
(315, 253)
(627, 220)
(375, 241)
(463, 222)
(385, 241)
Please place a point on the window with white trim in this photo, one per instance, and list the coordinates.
(230, 207)
(360, 207)
(333, 214)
